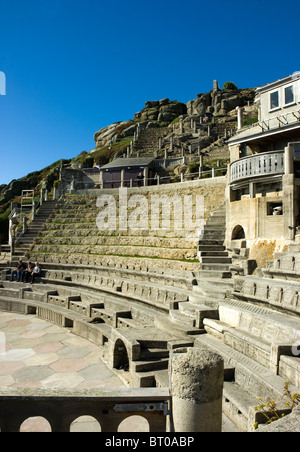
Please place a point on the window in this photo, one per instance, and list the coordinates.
(274, 208)
(274, 100)
(289, 95)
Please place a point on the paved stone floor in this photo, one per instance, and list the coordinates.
(37, 354)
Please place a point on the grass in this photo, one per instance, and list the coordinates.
(136, 256)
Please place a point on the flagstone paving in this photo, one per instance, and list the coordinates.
(37, 354)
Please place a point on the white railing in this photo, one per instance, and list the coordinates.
(276, 122)
(266, 164)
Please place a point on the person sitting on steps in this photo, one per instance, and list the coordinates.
(28, 272)
(36, 272)
(19, 272)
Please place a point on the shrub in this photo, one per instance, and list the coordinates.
(230, 86)
(270, 410)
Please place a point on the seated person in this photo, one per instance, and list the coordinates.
(28, 271)
(36, 272)
(19, 272)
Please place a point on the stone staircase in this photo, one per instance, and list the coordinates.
(212, 254)
(213, 280)
(148, 140)
(25, 242)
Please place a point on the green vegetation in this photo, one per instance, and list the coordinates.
(102, 156)
(250, 121)
(230, 86)
(270, 410)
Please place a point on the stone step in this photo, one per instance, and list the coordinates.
(260, 377)
(154, 343)
(212, 274)
(213, 235)
(154, 353)
(214, 254)
(176, 328)
(150, 365)
(215, 225)
(215, 267)
(215, 259)
(236, 404)
(211, 248)
(213, 286)
(211, 242)
(184, 318)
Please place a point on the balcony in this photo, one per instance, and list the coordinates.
(258, 165)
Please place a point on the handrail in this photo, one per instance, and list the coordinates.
(212, 173)
(265, 164)
(274, 123)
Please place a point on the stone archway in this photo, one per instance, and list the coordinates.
(238, 233)
(120, 356)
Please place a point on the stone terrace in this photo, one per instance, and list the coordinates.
(142, 306)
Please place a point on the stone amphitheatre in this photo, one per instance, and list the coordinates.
(171, 304)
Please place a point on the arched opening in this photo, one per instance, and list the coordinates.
(238, 233)
(134, 424)
(121, 360)
(85, 424)
(35, 425)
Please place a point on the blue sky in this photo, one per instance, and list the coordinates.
(73, 67)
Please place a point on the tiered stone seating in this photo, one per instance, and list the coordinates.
(258, 335)
(284, 266)
(73, 232)
(116, 287)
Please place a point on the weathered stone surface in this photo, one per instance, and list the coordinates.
(289, 424)
(197, 387)
(196, 376)
(163, 111)
(109, 133)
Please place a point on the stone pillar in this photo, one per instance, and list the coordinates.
(24, 225)
(288, 186)
(42, 196)
(252, 190)
(289, 159)
(197, 386)
(122, 177)
(215, 85)
(181, 129)
(101, 179)
(240, 113)
(33, 210)
(201, 161)
(146, 176)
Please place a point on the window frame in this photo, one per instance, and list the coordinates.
(287, 104)
(270, 99)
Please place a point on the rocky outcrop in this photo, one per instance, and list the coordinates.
(161, 110)
(220, 102)
(112, 133)
(154, 113)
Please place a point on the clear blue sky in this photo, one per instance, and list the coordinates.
(73, 67)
